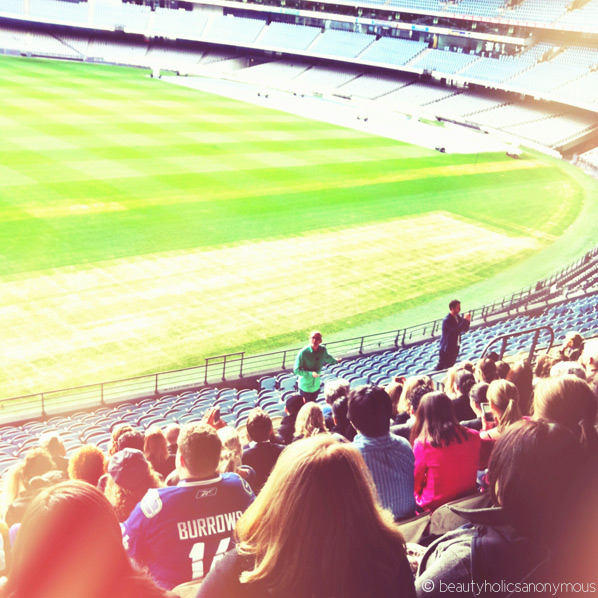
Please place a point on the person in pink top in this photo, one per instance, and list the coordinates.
(446, 453)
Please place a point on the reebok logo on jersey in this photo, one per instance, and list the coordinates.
(206, 493)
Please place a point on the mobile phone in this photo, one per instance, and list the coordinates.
(487, 413)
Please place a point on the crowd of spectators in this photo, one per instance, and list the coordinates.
(327, 517)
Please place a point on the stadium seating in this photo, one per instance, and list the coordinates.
(442, 61)
(60, 12)
(417, 94)
(392, 50)
(375, 86)
(341, 43)
(582, 18)
(537, 11)
(288, 36)
(579, 314)
(180, 24)
(233, 30)
(272, 73)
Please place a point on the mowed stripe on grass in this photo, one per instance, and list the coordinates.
(119, 317)
(145, 226)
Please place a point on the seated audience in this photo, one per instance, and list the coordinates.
(133, 439)
(569, 401)
(394, 390)
(286, 429)
(155, 448)
(37, 463)
(477, 396)
(563, 368)
(333, 390)
(502, 369)
(415, 397)
(88, 464)
(405, 402)
(544, 364)
(291, 544)
(53, 443)
(450, 382)
(310, 421)
(464, 381)
(70, 546)
(388, 457)
(446, 453)
(529, 536)
(129, 477)
(177, 531)
(262, 456)
(231, 456)
(503, 400)
(589, 360)
(572, 346)
(172, 434)
(117, 432)
(522, 376)
(342, 425)
(485, 370)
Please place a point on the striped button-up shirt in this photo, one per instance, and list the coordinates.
(391, 462)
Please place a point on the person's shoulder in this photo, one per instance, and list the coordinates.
(472, 434)
(223, 577)
(401, 442)
(233, 482)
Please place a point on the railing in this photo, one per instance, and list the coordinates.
(504, 339)
(238, 365)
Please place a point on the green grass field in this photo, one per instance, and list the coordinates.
(145, 226)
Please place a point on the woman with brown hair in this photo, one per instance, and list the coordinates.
(316, 529)
(409, 387)
(155, 448)
(129, 477)
(88, 464)
(70, 546)
(569, 401)
(446, 453)
(522, 376)
(541, 532)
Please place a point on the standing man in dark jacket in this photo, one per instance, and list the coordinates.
(452, 327)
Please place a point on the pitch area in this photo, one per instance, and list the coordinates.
(145, 226)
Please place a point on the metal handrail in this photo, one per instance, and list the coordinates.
(505, 337)
(236, 366)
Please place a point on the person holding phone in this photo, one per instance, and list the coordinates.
(453, 326)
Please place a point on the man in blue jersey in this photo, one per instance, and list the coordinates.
(178, 532)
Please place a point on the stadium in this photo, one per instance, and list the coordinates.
(189, 189)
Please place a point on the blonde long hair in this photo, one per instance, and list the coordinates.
(231, 456)
(310, 420)
(504, 397)
(316, 528)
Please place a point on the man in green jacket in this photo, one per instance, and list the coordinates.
(308, 366)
